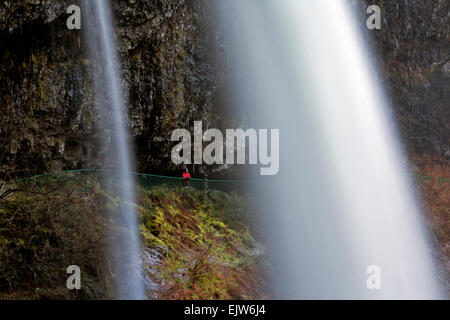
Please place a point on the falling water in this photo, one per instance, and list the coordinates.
(98, 29)
(342, 200)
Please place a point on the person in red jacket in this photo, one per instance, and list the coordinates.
(186, 177)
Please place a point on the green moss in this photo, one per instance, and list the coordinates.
(203, 243)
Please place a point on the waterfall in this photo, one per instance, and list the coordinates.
(125, 247)
(343, 200)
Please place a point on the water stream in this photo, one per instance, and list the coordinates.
(342, 200)
(125, 256)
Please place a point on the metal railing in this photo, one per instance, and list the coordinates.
(86, 179)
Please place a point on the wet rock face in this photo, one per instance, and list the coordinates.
(15, 14)
(170, 73)
(413, 49)
(171, 77)
(45, 115)
(49, 121)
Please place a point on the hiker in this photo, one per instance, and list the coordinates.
(186, 177)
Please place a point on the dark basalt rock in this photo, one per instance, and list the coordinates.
(49, 121)
(413, 51)
(173, 76)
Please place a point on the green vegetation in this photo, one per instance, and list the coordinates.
(207, 250)
(43, 230)
(435, 195)
(197, 244)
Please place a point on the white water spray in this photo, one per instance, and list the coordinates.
(125, 256)
(343, 200)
